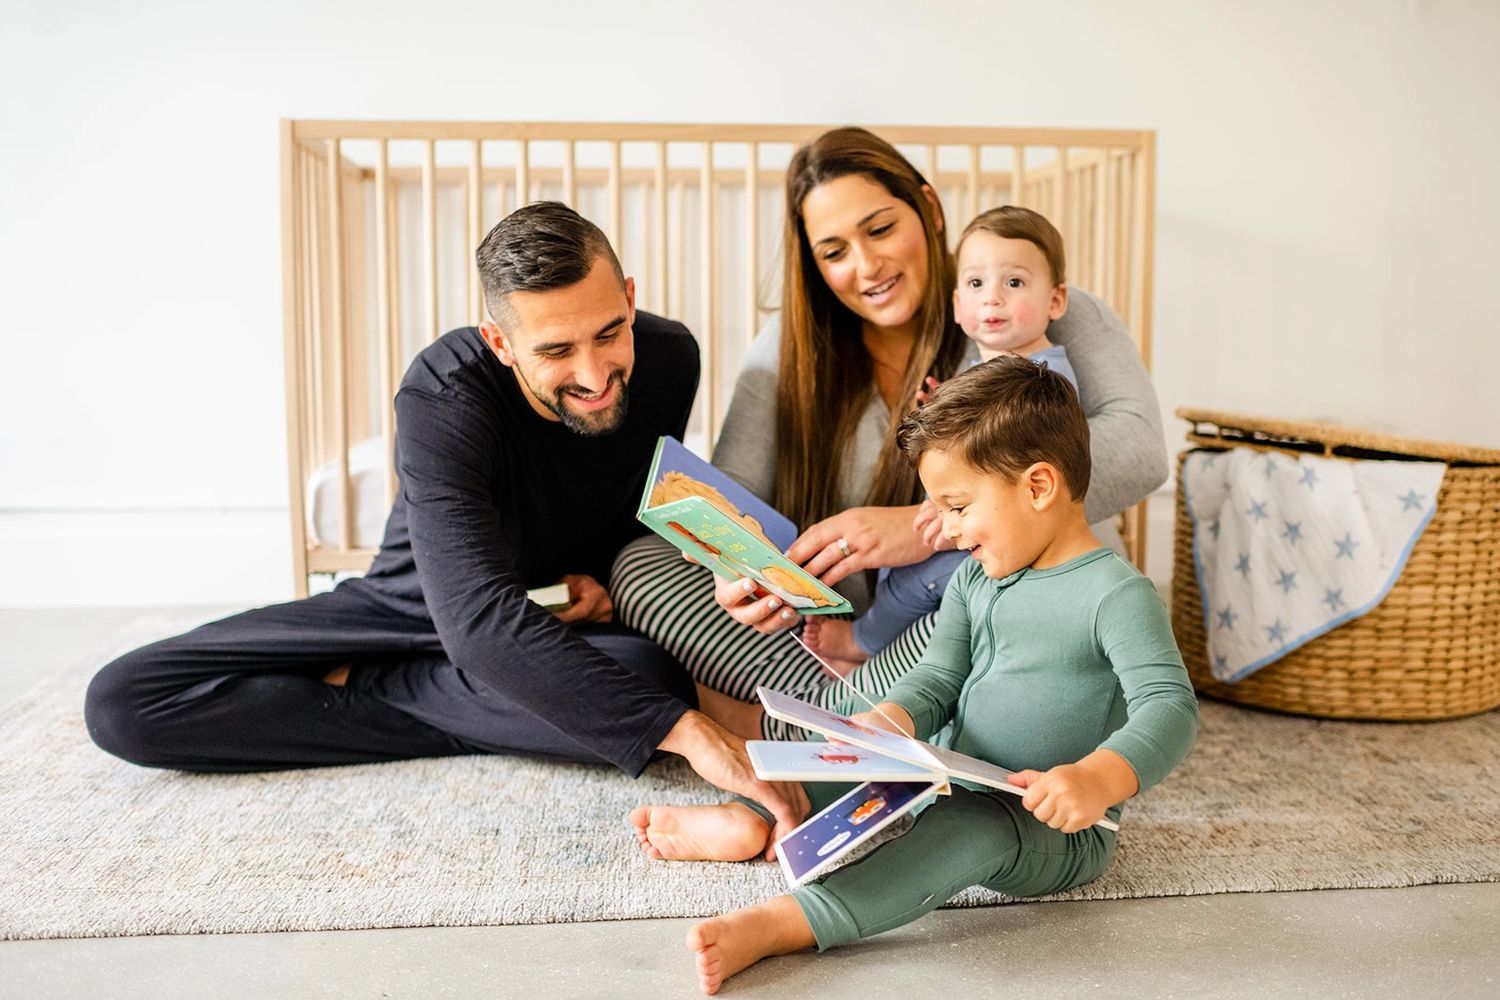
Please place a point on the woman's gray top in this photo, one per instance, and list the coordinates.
(1126, 443)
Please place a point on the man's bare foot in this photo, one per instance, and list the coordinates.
(727, 944)
(727, 832)
(739, 717)
(833, 640)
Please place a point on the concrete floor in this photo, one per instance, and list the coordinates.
(1427, 941)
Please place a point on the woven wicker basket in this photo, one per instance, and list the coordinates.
(1430, 650)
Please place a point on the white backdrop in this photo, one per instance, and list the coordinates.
(1327, 204)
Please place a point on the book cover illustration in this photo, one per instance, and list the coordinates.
(721, 524)
(851, 821)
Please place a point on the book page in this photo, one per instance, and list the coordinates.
(851, 821)
(822, 761)
(844, 730)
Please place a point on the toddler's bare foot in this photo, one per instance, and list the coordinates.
(735, 941)
(739, 717)
(338, 676)
(727, 832)
(833, 640)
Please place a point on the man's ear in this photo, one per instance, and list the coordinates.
(1059, 303)
(1044, 483)
(630, 301)
(498, 342)
(936, 203)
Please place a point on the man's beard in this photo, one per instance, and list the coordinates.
(591, 424)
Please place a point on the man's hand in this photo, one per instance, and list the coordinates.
(875, 537)
(721, 759)
(1073, 797)
(587, 601)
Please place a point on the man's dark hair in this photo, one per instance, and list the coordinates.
(537, 248)
(1003, 417)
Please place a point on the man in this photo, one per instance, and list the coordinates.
(522, 448)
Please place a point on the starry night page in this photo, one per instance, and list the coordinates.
(851, 821)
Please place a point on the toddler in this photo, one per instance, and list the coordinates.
(1052, 657)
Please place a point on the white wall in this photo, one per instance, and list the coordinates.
(1327, 209)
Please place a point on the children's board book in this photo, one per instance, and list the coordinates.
(899, 774)
(729, 529)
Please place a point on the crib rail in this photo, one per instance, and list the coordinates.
(380, 220)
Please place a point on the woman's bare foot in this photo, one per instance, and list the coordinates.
(735, 941)
(727, 832)
(833, 640)
(739, 717)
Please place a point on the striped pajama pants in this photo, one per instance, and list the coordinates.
(668, 599)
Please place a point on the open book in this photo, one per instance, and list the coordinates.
(729, 529)
(899, 774)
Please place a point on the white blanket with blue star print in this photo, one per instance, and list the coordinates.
(1287, 548)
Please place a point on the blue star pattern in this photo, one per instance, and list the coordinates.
(1264, 591)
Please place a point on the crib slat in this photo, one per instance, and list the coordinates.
(615, 209)
(293, 287)
(523, 172)
(1018, 177)
(476, 221)
(752, 240)
(679, 252)
(1060, 192)
(707, 335)
(1100, 277)
(316, 338)
(387, 346)
(429, 236)
(659, 267)
(973, 183)
(570, 175)
(339, 334)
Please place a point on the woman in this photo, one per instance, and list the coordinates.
(866, 317)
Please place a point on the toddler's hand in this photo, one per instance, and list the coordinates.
(1067, 798)
(929, 524)
(924, 393)
(894, 720)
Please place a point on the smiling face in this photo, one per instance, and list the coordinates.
(1001, 522)
(572, 349)
(870, 249)
(1006, 295)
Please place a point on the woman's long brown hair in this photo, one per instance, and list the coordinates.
(826, 373)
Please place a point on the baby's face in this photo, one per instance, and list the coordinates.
(1005, 296)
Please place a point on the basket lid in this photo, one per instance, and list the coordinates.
(1332, 439)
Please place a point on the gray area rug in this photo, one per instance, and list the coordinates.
(90, 846)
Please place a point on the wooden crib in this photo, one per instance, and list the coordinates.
(380, 221)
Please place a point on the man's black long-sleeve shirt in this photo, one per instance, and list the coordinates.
(495, 499)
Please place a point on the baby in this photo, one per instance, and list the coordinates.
(1011, 285)
(1052, 657)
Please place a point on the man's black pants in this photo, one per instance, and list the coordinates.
(247, 693)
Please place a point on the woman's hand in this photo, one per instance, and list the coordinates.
(872, 537)
(763, 613)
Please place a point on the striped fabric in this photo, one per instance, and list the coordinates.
(660, 594)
